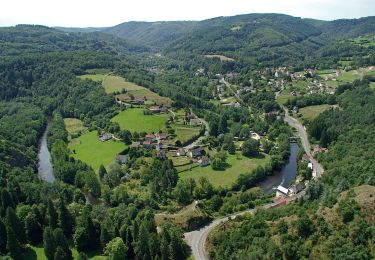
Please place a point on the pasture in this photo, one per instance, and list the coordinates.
(93, 77)
(74, 126)
(221, 57)
(90, 150)
(113, 84)
(134, 120)
(311, 112)
(185, 132)
(237, 164)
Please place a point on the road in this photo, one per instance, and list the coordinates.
(304, 140)
(197, 239)
(202, 137)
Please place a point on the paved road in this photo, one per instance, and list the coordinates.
(201, 138)
(197, 239)
(304, 140)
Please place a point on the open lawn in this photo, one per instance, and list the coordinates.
(311, 112)
(37, 253)
(74, 125)
(94, 77)
(282, 99)
(89, 149)
(134, 120)
(221, 57)
(237, 164)
(372, 85)
(117, 84)
(185, 132)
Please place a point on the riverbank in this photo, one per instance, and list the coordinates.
(45, 168)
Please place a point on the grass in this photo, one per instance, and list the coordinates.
(185, 132)
(37, 253)
(117, 84)
(237, 164)
(282, 99)
(89, 149)
(372, 85)
(74, 125)
(135, 121)
(221, 57)
(94, 77)
(311, 112)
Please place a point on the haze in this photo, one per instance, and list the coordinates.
(94, 13)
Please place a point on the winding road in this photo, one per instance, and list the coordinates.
(197, 239)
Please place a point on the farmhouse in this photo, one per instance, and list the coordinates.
(181, 152)
(195, 122)
(122, 159)
(147, 144)
(281, 191)
(196, 152)
(204, 161)
(138, 101)
(150, 138)
(164, 109)
(154, 109)
(105, 137)
(296, 188)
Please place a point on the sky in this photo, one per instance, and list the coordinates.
(95, 13)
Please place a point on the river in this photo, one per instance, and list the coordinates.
(286, 176)
(45, 169)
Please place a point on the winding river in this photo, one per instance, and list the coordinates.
(286, 176)
(45, 168)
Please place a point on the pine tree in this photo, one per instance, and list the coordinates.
(51, 215)
(13, 245)
(3, 238)
(104, 236)
(65, 220)
(61, 242)
(13, 221)
(102, 172)
(5, 201)
(33, 230)
(49, 243)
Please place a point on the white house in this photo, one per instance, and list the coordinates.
(281, 191)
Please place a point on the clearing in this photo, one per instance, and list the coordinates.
(89, 149)
(186, 132)
(311, 112)
(74, 126)
(114, 84)
(134, 120)
(237, 164)
(93, 77)
(221, 57)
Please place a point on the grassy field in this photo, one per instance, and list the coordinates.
(185, 132)
(221, 57)
(94, 152)
(94, 77)
(237, 164)
(311, 112)
(74, 125)
(135, 121)
(114, 83)
(37, 253)
(372, 85)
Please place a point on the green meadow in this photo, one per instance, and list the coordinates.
(74, 125)
(311, 112)
(94, 77)
(186, 132)
(134, 120)
(89, 149)
(237, 164)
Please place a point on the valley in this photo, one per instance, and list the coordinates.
(243, 137)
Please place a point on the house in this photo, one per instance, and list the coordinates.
(281, 191)
(147, 144)
(105, 137)
(296, 188)
(310, 165)
(136, 144)
(162, 154)
(162, 136)
(295, 109)
(196, 152)
(138, 101)
(154, 109)
(181, 152)
(237, 105)
(150, 138)
(195, 122)
(164, 109)
(122, 159)
(204, 161)
(319, 149)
